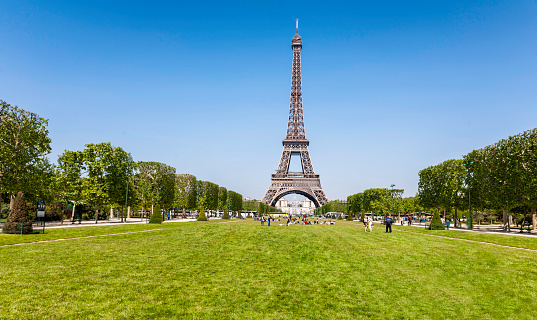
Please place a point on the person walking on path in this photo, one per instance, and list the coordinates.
(388, 222)
(369, 224)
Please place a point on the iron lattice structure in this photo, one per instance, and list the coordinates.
(306, 183)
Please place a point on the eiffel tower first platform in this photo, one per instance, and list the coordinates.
(306, 183)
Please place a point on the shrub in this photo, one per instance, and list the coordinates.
(226, 215)
(349, 217)
(436, 222)
(340, 217)
(5, 211)
(201, 216)
(18, 220)
(156, 216)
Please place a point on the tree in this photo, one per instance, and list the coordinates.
(156, 215)
(160, 180)
(222, 198)
(354, 204)
(184, 191)
(440, 186)
(69, 178)
(107, 169)
(18, 220)
(202, 216)
(436, 222)
(235, 203)
(24, 142)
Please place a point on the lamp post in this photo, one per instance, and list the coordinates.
(124, 215)
(469, 212)
(393, 200)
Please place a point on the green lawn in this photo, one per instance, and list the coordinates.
(240, 270)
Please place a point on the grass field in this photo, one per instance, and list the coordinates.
(240, 270)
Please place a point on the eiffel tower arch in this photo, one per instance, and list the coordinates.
(283, 182)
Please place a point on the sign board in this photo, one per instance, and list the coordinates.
(40, 209)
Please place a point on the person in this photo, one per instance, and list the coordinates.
(262, 221)
(268, 221)
(388, 222)
(369, 224)
(288, 221)
(365, 223)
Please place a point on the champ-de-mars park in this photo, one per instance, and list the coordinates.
(142, 176)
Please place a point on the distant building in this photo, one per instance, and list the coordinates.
(295, 207)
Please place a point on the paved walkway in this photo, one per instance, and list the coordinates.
(110, 222)
(490, 229)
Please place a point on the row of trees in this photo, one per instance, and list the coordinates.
(101, 175)
(497, 178)
(331, 206)
(382, 201)
(260, 207)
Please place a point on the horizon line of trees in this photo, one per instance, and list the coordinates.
(498, 180)
(99, 176)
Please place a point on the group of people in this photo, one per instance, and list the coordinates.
(368, 223)
(293, 220)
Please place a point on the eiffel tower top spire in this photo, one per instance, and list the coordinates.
(295, 126)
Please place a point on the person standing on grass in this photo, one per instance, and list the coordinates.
(369, 224)
(268, 221)
(388, 222)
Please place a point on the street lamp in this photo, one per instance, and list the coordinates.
(469, 212)
(124, 216)
(393, 200)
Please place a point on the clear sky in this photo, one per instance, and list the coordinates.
(389, 88)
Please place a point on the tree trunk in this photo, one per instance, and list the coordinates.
(61, 216)
(11, 201)
(111, 213)
(128, 212)
(184, 212)
(97, 212)
(534, 218)
(455, 218)
(73, 213)
(505, 220)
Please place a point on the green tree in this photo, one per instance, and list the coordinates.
(235, 202)
(202, 216)
(159, 180)
(222, 198)
(156, 214)
(24, 142)
(184, 191)
(106, 174)
(69, 180)
(436, 222)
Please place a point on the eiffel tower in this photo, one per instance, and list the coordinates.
(305, 183)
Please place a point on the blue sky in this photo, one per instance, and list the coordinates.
(389, 88)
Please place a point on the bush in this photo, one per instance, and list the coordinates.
(340, 217)
(201, 216)
(5, 211)
(226, 215)
(436, 222)
(156, 216)
(18, 220)
(349, 217)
